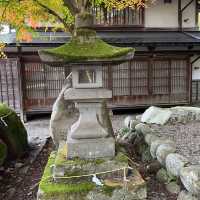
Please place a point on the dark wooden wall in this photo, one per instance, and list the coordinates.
(10, 84)
(142, 82)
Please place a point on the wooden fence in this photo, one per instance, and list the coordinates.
(141, 82)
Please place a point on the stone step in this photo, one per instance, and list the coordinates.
(84, 169)
(113, 187)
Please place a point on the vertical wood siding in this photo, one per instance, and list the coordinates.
(10, 86)
(42, 85)
(141, 82)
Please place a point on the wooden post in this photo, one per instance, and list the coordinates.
(21, 84)
(180, 15)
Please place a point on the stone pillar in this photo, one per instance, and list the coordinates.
(87, 138)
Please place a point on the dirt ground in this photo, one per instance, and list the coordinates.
(21, 182)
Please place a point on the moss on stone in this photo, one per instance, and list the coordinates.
(81, 189)
(13, 132)
(4, 110)
(61, 159)
(121, 157)
(76, 51)
(108, 190)
(52, 189)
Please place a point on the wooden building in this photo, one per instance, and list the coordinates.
(167, 44)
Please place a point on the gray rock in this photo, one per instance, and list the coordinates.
(133, 123)
(146, 155)
(155, 144)
(139, 194)
(62, 117)
(173, 188)
(164, 177)
(19, 165)
(155, 115)
(122, 132)
(149, 138)
(105, 119)
(128, 120)
(138, 117)
(127, 136)
(190, 177)
(90, 148)
(143, 129)
(175, 162)
(163, 151)
(184, 195)
(184, 114)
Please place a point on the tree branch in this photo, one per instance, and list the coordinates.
(52, 12)
(72, 6)
(4, 11)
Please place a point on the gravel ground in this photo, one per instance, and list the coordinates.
(186, 137)
(38, 129)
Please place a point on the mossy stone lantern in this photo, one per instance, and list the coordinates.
(86, 54)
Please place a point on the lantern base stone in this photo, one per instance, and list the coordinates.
(91, 148)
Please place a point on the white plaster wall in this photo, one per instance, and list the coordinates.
(161, 15)
(189, 14)
(195, 68)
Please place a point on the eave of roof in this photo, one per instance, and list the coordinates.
(134, 38)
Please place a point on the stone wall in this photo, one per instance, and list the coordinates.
(176, 170)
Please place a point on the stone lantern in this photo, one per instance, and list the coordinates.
(86, 54)
(87, 137)
(86, 166)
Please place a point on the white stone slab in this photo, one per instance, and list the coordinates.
(75, 94)
(155, 115)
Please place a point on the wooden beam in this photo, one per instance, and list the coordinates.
(180, 15)
(190, 2)
(195, 60)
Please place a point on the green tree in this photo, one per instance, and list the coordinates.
(26, 15)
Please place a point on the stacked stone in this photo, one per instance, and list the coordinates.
(184, 114)
(174, 164)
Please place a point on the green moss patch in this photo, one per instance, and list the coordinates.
(52, 189)
(61, 159)
(108, 190)
(12, 132)
(121, 157)
(76, 51)
(5, 110)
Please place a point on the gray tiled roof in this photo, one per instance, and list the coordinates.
(136, 38)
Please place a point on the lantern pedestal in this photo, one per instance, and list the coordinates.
(87, 138)
(90, 148)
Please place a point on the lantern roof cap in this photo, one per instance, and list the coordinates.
(93, 51)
